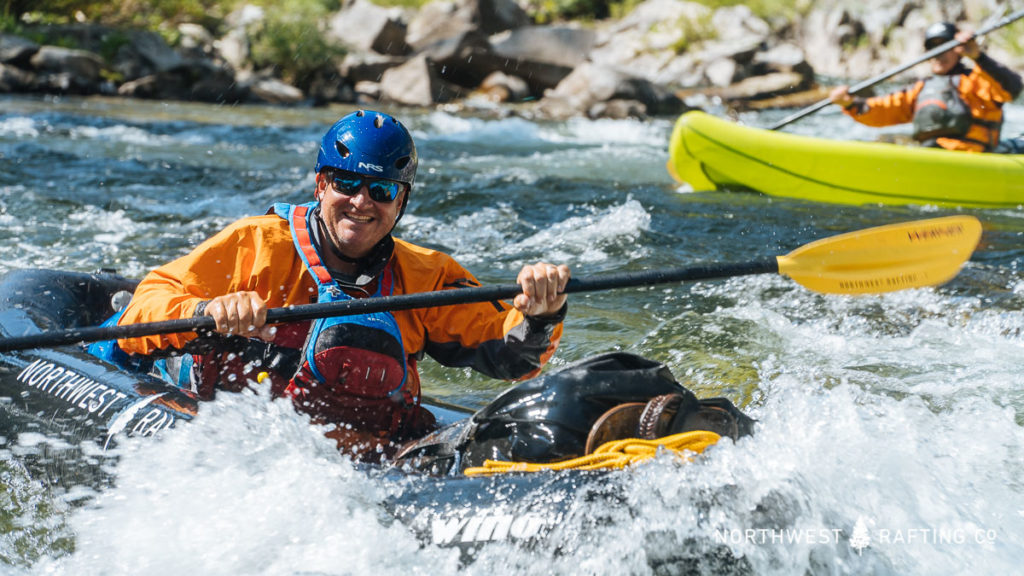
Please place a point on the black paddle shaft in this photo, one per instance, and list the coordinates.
(390, 303)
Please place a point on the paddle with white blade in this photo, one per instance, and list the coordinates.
(875, 260)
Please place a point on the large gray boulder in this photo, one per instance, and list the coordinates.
(195, 41)
(16, 50)
(144, 53)
(363, 26)
(367, 66)
(80, 64)
(233, 46)
(66, 70)
(14, 79)
(192, 80)
(269, 90)
(437, 21)
(567, 46)
(541, 55)
(591, 84)
(784, 58)
(416, 83)
(763, 86)
(824, 32)
(464, 59)
(648, 41)
(443, 19)
(160, 86)
(498, 15)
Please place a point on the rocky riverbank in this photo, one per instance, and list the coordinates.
(654, 61)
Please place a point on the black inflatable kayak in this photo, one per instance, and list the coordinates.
(76, 394)
(65, 390)
(68, 394)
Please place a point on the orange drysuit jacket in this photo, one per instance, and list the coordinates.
(258, 254)
(981, 92)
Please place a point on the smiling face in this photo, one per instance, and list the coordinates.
(355, 223)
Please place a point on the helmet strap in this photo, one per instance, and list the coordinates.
(401, 211)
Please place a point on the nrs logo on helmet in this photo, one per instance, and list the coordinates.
(372, 144)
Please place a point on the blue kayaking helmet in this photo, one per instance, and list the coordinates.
(938, 34)
(372, 144)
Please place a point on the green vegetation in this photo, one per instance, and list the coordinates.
(546, 11)
(401, 3)
(291, 41)
(693, 31)
(164, 15)
(150, 14)
(767, 9)
(1010, 38)
(288, 40)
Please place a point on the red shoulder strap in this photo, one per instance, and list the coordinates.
(302, 239)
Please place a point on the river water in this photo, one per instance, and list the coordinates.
(895, 418)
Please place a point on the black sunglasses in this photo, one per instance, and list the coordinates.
(380, 190)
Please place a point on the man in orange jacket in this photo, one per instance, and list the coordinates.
(357, 373)
(957, 108)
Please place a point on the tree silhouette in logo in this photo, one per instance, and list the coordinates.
(860, 539)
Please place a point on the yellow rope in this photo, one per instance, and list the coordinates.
(614, 454)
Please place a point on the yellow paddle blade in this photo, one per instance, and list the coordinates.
(887, 258)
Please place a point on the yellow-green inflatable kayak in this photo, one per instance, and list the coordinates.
(710, 153)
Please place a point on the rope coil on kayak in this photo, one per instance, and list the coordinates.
(611, 455)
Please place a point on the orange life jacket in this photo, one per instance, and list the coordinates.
(259, 254)
(352, 369)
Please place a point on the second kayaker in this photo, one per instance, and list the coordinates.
(956, 108)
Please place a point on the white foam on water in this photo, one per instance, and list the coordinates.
(480, 236)
(935, 485)
(931, 474)
(109, 227)
(515, 132)
(519, 132)
(585, 239)
(564, 150)
(19, 127)
(898, 412)
(120, 133)
(1013, 120)
(617, 134)
(469, 238)
(249, 487)
(32, 440)
(931, 493)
